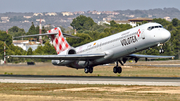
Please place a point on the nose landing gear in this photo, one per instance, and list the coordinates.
(161, 50)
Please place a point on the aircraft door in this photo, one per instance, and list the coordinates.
(142, 34)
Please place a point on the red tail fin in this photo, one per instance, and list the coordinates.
(59, 42)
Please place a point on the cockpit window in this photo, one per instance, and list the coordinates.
(152, 27)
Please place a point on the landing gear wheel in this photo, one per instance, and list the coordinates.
(91, 70)
(86, 70)
(115, 69)
(161, 51)
(119, 69)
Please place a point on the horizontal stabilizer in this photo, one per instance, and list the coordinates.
(34, 35)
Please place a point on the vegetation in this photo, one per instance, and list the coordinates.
(140, 69)
(89, 31)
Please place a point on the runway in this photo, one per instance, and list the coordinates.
(62, 79)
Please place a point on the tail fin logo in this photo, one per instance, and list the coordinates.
(58, 41)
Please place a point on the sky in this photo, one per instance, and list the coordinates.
(83, 5)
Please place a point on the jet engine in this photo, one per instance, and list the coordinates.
(64, 62)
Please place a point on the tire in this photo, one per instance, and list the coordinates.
(119, 69)
(115, 69)
(91, 70)
(86, 70)
(161, 51)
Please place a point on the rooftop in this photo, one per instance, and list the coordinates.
(141, 19)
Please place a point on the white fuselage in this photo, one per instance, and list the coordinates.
(121, 44)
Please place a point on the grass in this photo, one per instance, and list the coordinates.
(141, 69)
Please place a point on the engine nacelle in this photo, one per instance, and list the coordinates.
(68, 51)
(71, 51)
(57, 62)
(64, 62)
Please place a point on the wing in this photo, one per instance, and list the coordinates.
(150, 56)
(63, 57)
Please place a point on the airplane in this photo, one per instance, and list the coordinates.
(116, 48)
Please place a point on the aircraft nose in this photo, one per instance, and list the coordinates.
(166, 35)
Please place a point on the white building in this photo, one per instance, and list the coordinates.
(132, 22)
(26, 44)
(118, 22)
(167, 18)
(42, 20)
(67, 13)
(51, 14)
(36, 14)
(1, 62)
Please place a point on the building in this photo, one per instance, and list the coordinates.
(1, 62)
(67, 13)
(26, 44)
(132, 22)
(139, 20)
(42, 20)
(167, 18)
(118, 22)
(27, 17)
(4, 19)
(51, 14)
(37, 14)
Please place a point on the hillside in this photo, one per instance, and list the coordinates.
(54, 19)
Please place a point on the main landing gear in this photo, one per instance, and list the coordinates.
(117, 69)
(88, 69)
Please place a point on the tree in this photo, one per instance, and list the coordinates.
(44, 30)
(175, 22)
(161, 21)
(32, 30)
(113, 23)
(5, 37)
(29, 52)
(16, 31)
(49, 49)
(82, 23)
(83, 39)
(1, 49)
(37, 30)
(39, 50)
(62, 29)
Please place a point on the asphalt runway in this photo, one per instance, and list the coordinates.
(63, 79)
(152, 65)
